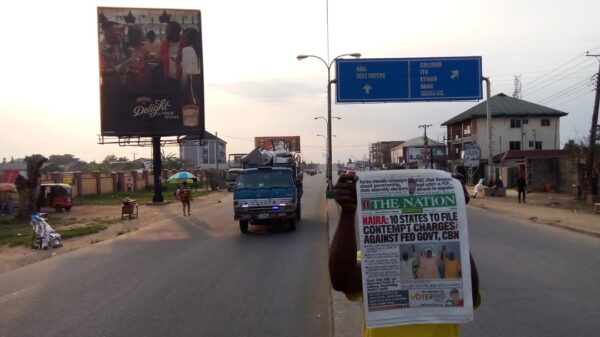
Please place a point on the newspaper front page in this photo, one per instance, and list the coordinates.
(412, 230)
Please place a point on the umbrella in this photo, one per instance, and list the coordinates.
(6, 187)
(180, 177)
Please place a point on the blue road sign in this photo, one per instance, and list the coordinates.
(409, 79)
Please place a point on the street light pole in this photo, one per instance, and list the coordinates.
(328, 143)
(329, 82)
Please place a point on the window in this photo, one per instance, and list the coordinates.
(525, 121)
(531, 143)
(538, 145)
(514, 145)
(545, 121)
(515, 123)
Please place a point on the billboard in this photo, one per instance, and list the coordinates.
(151, 72)
(420, 156)
(289, 143)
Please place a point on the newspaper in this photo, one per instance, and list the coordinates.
(412, 230)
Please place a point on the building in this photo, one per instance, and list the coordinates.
(380, 153)
(206, 153)
(416, 153)
(516, 125)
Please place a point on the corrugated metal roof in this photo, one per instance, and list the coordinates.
(207, 136)
(502, 105)
(420, 141)
(522, 154)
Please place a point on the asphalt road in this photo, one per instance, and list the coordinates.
(192, 276)
(536, 280)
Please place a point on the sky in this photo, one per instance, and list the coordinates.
(255, 86)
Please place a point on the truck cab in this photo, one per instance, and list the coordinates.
(269, 194)
(231, 177)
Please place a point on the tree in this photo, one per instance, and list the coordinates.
(170, 162)
(62, 159)
(29, 188)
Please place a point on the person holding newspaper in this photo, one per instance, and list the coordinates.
(345, 269)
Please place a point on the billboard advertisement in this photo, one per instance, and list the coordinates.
(151, 72)
(289, 143)
(420, 157)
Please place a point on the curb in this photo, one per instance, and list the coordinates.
(346, 315)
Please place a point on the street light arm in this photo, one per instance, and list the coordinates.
(302, 57)
(357, 55)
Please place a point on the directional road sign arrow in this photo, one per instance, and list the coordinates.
(367, 88)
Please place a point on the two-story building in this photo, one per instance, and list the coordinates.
(208, 152)
(380, 153)
(416, 153)
(517, 125)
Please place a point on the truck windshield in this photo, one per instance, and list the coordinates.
(265, 179)
(232, 175)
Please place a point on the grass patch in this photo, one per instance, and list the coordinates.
(80, 231)
(117, 198)
(13, 240)
(20, 236)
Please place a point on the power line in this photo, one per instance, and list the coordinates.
(568, 90)
(560, 66)
(546, 82)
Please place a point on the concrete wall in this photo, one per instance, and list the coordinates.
(552, 174)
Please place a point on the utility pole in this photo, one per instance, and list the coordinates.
(426, 143)
(593, 180)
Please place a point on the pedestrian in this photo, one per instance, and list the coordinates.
(522, 188)
(184, 193)
(129, 185)
(345, 272)
(478, 188)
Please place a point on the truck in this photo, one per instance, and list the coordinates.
(268, 189)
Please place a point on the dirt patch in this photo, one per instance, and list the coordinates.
(555, 209)
(110, 216)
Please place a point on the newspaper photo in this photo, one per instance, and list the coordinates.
(412, 232)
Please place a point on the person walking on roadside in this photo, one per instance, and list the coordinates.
(184, 193)
(522, 188)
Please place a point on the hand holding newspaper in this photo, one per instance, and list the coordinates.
(412, 233)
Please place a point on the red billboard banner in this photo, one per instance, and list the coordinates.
(290, 143)
(151, 72)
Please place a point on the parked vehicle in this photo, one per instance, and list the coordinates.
(231, 177)
(57, 196)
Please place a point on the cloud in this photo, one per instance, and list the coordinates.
(271, 91)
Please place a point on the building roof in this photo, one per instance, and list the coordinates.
(13, 166)
(420, 141)
(207, 136)
(522, 154)
(502, 105)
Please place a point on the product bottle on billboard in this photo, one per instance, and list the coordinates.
(191, 104)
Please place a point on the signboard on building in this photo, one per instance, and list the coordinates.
(409, 79)
(471, 156)
(289, 143)
(151, 72)
(420, 156)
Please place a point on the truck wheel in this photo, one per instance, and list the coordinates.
(244, 226)
(299, 212)
(67, 208)
(293, 224)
